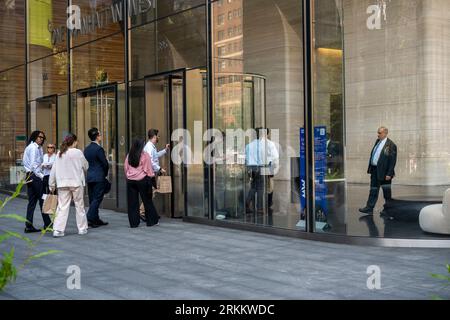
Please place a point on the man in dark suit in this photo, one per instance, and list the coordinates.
(381, 169)
(96, 177)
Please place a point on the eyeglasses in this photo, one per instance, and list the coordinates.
(42, 137)
(50, 147)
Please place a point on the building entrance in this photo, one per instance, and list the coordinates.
(164, 110)
(43, 115)
(98, 108)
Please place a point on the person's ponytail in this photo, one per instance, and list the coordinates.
(69, 140)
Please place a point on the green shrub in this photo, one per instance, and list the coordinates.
(8, 270)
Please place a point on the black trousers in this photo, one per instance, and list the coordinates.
(46, 188)
(144, 189)
(35, 190)
(256, 187)
(375, 185)
(96, 192)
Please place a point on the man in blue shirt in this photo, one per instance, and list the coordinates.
(33, 157)
(383, 159)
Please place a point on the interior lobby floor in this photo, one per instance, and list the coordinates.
(344, 218)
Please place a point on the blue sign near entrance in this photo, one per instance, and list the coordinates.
(320, 170)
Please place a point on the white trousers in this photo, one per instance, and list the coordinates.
(65, 195)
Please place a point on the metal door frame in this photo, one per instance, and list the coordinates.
(113, 88)
(170, 76)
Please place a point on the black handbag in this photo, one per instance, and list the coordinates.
(107, 186)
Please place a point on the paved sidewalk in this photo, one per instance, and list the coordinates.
(179, 260)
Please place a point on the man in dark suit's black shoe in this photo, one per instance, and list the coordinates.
(100, 222)
(92, 224)
(31, 229)
(366, 210)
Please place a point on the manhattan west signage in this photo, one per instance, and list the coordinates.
(82, 25)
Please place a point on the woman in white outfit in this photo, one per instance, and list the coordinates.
(68, 176)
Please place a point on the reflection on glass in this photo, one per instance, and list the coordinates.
(12, 35)
(163, 8)
(97, 108)
(98, 19)
(63, 118)
(98, 63)
(48, 76)
(12, 126)
(122, 145)
(137, 109)
(379, 56)
(44, 16)
(164, 112)
(258, 83)
(43, 117)
(169, 44)
(196, 119)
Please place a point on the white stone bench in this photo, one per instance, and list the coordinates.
(436, 218)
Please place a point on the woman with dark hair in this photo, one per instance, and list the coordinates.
(33, 157)
(68, 176)
(140, 179)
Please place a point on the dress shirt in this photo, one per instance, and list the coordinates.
(33, 158)
(48, 163)
(150, 148)
(261, 152)
(377, 152)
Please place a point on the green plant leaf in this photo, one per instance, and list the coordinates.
(14, 216)
(4, 237)
(43, 254)
(19, 236)
(8, 271)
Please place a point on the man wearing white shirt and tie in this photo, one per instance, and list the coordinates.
(33, 157)
(381, 169)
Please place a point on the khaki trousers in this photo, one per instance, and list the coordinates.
(65, 195)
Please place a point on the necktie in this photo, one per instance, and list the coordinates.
(375, 152)
(258, 161)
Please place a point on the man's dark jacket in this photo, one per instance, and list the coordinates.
(98, 165)
(387, 160)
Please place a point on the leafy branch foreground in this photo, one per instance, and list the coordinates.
(8, 270)
(442, 277)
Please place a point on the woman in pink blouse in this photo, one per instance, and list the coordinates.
(140, 180)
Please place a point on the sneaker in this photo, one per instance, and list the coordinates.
(82, 232)
(58, 234)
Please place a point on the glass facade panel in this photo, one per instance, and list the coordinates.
(258, 82)
(12, 126)
(48, 76)
(172, 43)
(98, 63)
(12, 33)
(63, 118)
(377, 68)
(44, 22)
(98, 19)
(137, 110)
(160, 9)
(386, 156)
(43, 117)
(196, 121)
